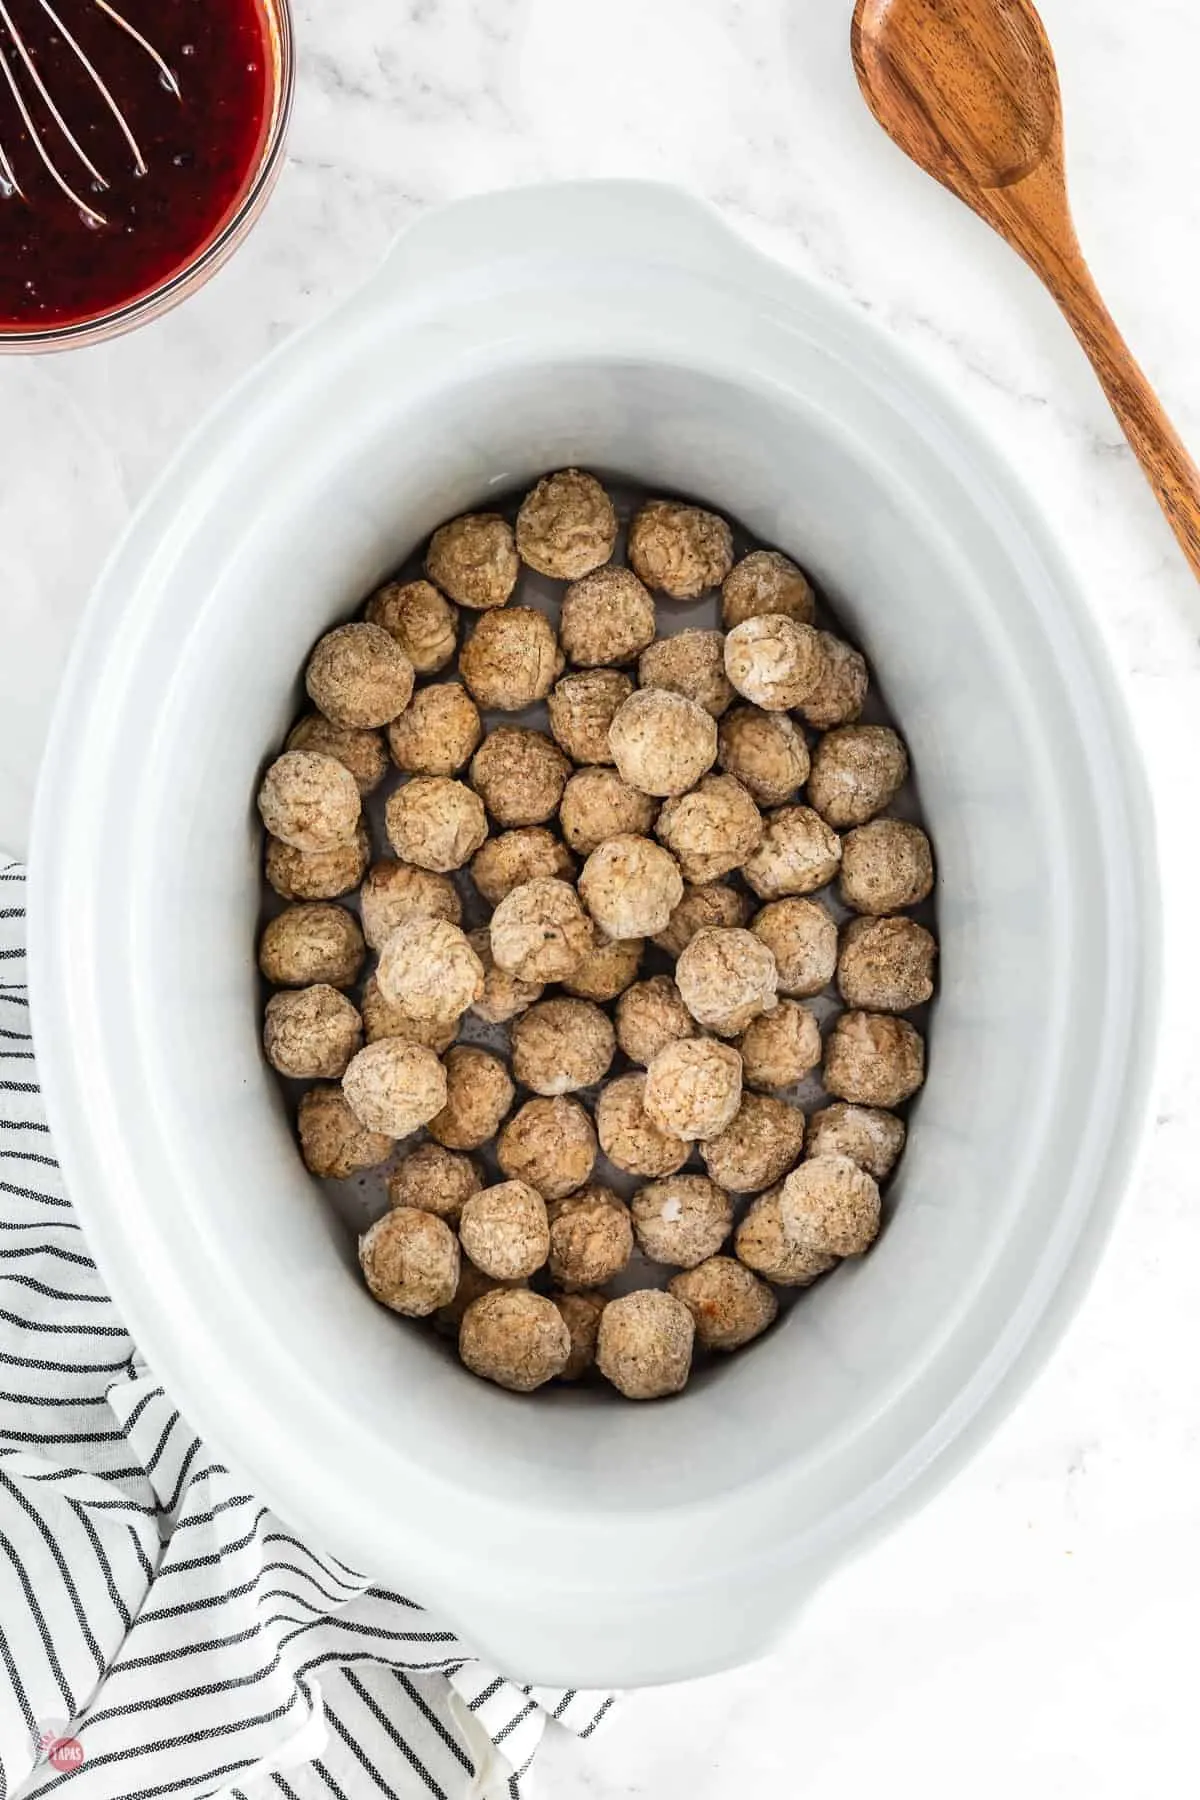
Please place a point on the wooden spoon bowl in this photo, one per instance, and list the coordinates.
(968, 89)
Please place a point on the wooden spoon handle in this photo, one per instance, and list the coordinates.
(1154, 440)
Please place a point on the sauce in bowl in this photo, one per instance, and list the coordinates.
(202, 149)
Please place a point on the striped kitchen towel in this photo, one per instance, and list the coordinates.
(161, 1632)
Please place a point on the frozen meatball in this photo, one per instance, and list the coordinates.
(515, 857)
(764, 1246)
(435, 822)
(395, 1087)
(712, 904)
(606, 619)
(435, 1180)
(661, 742)
(561, 1045)
(631, 887)
(429, 970)
(866, 1134)
(606, 970)
(438, 733)
(693, 1088)
(550, 1144)
(581, 1315)
(874, 1059)
(691, 663)
(726, 979)
(359, 676)
(681, 1221)
(799, 853)
(774, 662)
(597, 805)
(421, 620)
(591, 1237)
(764, 582)
(317, 874)
(410, 1261)
(395, 892)
(516, 1339)
(473, 1284)
(540, 932)
(629, 1137)
(504, 997)
(504, 1230)
(831, 1206)
(886, 866)
(729, 1305)
(311, 1032)
(856, 772)
(758, 1148)
(520, 775)
(317, 943)
(780, 1048)
(566, 526)
(711, 831)
(766, 751)
(362, 752)
(474, 560)
(803, 939)
(839, 695)
(510, 659)
(333, 1143)
(680, 550)
(644, 1345)
(651, 1015)
(478, 1094)
(309, 801)
(582, 707)
(384, 1019)
(886, 965)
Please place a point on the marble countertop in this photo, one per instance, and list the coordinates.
(1033, 1630)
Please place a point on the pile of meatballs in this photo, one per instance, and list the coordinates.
(703, 840)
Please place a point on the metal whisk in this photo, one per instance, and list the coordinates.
(10, 35)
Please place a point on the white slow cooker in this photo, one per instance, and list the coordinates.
(622, 327)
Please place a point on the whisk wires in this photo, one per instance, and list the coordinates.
(8, 30)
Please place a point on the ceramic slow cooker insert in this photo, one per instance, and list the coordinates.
(624, 328)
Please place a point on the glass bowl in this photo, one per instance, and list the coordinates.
(220, 243)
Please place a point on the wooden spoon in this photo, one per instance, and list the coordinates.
(969, 90)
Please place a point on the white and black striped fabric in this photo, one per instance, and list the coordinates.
(150, 1608)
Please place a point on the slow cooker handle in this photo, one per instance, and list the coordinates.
(645, 220)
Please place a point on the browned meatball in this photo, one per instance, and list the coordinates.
(359, 676)
(582, 706)
(510, 659)
(515, 857)
(550, 1144)
(886, 965)
(886, 866)
(761, 1145)
(766, 751)
(712, 904)
(520, 775)
(566, 526)
(874, 1059)
(766, 581)
(423, 623)
(474, 560)
(438, 732)
(691, 663)
(681, 550)
(606, 618)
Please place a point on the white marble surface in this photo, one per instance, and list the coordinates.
(1034, 1630)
